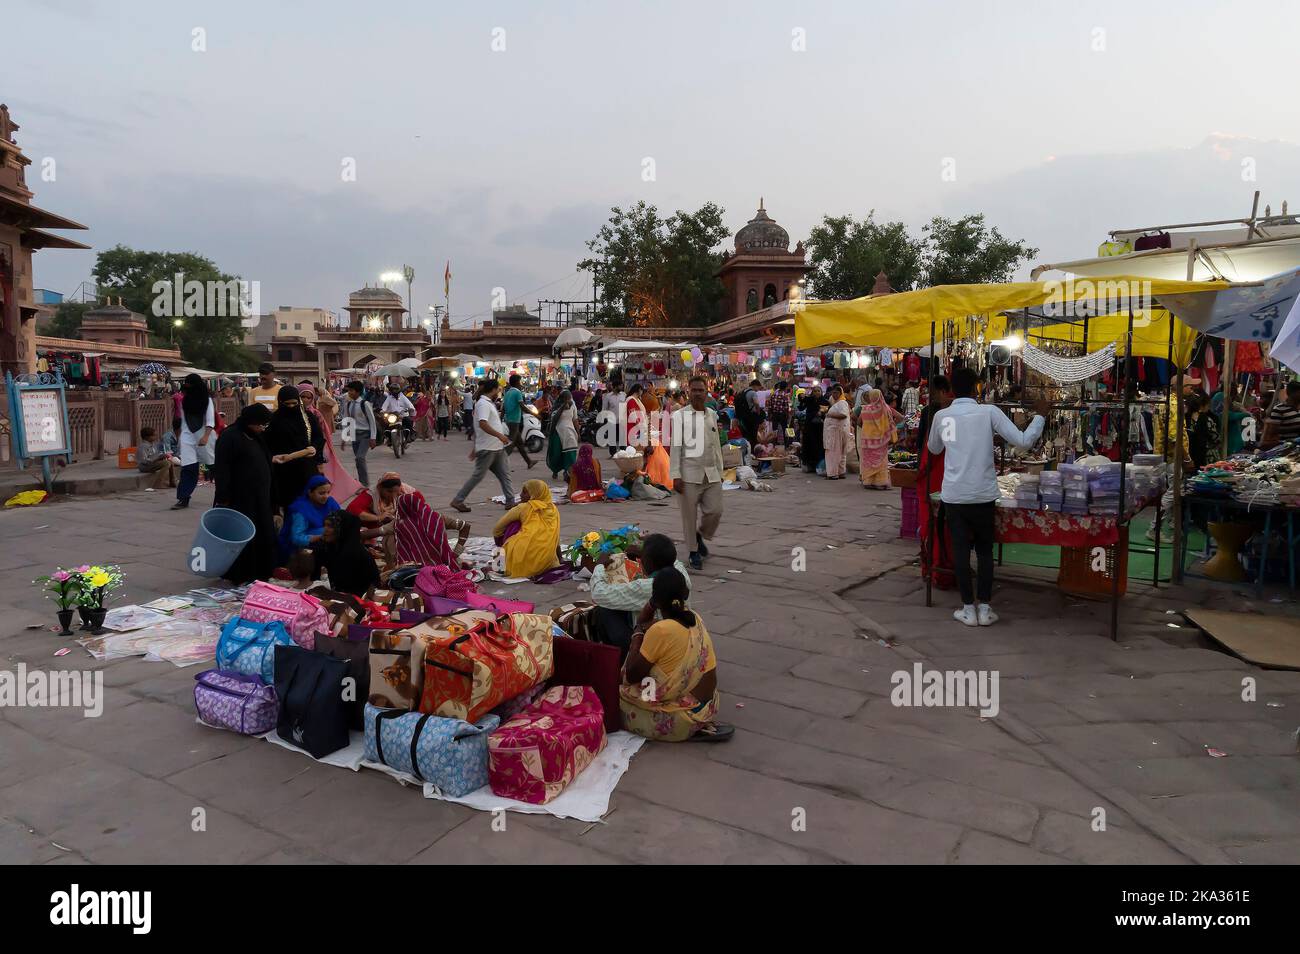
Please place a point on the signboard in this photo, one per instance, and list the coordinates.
(42, 421)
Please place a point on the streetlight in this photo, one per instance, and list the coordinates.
(176, 324)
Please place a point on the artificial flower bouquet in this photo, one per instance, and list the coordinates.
(62, 586)
(98, 583)
(588, 549)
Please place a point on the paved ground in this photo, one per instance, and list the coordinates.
(805, 661)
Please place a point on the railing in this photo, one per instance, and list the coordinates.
(86, 429)
(117, 411)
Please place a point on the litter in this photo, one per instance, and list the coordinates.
(1215, 753)
(62, 652)
(1276, 705)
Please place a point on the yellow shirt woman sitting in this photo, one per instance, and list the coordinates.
(529, 532)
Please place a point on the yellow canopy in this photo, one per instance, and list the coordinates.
(903, 320)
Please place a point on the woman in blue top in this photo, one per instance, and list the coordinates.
(304, 521)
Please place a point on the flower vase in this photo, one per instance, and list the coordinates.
(97, 620)
(84, 613)
(65, 621)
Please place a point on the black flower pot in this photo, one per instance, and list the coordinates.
(65, 620)
(97, 621)
(84, 613)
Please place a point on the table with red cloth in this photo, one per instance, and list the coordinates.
(1055, 529)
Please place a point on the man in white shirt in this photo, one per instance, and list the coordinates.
(612, 413)
(696, 471)
(490, 442)
(911, 399)
(467, 406)
(398, 402)
(364, 429)
(964, 431)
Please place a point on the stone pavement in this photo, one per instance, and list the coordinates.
(823, 768)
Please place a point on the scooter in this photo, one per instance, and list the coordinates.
(397, 432)
(531, 432)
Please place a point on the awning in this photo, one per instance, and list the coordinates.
(572, 338)
(1234, 261)
(904, 320)
(644, 346)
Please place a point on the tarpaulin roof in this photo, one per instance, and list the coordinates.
(1244, 262)
(903, 320)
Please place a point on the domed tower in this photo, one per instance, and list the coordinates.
(762, 270)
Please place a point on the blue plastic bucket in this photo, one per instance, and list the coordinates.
(221, 536)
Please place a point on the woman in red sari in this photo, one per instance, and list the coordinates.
(421, 535)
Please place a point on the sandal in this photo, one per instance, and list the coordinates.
(713, 732)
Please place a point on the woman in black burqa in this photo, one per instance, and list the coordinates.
(243, 482)
(297, 447)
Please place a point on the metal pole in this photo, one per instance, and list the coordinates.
(1176, 572)
(1121, 525)
(925, 487)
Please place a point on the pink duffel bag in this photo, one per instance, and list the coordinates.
(534, 756)
(303, 616)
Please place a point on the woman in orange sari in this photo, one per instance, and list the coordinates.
(876, 433)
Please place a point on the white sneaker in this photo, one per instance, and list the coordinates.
(966, 615)
(986, 615)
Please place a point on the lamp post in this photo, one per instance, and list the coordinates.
(177, 323)
(409, 274)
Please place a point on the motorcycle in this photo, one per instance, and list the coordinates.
(531, 432)
(397, 432)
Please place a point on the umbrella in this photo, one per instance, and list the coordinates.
(397, 370)
(434, 364)
(152, 367)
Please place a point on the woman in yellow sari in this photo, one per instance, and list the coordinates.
(874, 437)
(670, 679)
(529, 532)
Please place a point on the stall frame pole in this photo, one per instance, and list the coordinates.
(930, 518)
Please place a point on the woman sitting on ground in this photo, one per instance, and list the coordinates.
(343, 555)
(380, 505)
(585, 473)
(420, 535)
(530, 532)
(670, 680)
(304, 521)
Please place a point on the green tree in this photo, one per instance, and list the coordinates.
(210, 334)
(846, 255)
(66, 322)
(658, 272)
(969, 252)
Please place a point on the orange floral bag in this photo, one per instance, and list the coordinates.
(467, 675)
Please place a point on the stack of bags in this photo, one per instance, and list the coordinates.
(1027, 492)
(1051, 488)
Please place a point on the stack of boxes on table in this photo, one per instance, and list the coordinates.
(1091, 489)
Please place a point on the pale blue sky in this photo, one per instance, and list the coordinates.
(507, 162)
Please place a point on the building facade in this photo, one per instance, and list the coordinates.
(762, 270)
(22, 232)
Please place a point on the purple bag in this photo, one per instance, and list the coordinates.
(442, 606)
(226, 699)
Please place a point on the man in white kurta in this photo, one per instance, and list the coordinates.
(696, 471)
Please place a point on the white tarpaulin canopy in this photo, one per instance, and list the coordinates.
(1236, 263)
(644, 346)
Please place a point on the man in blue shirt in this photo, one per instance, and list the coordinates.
(513, 407)
(964, 431)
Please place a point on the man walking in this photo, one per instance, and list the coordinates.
(963, 432)
(490, 442)
(467, 412)
(513, 405)
(267, 392)
(696, 471)
(365, 433)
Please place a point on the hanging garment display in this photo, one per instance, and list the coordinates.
(1068, 370)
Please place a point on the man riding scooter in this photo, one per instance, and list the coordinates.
(399, 404)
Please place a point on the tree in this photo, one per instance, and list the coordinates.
(846, 256)
(66, 322)
(210, 334)
(658, 272)
(968, 252)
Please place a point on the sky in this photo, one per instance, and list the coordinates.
(498, 135)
